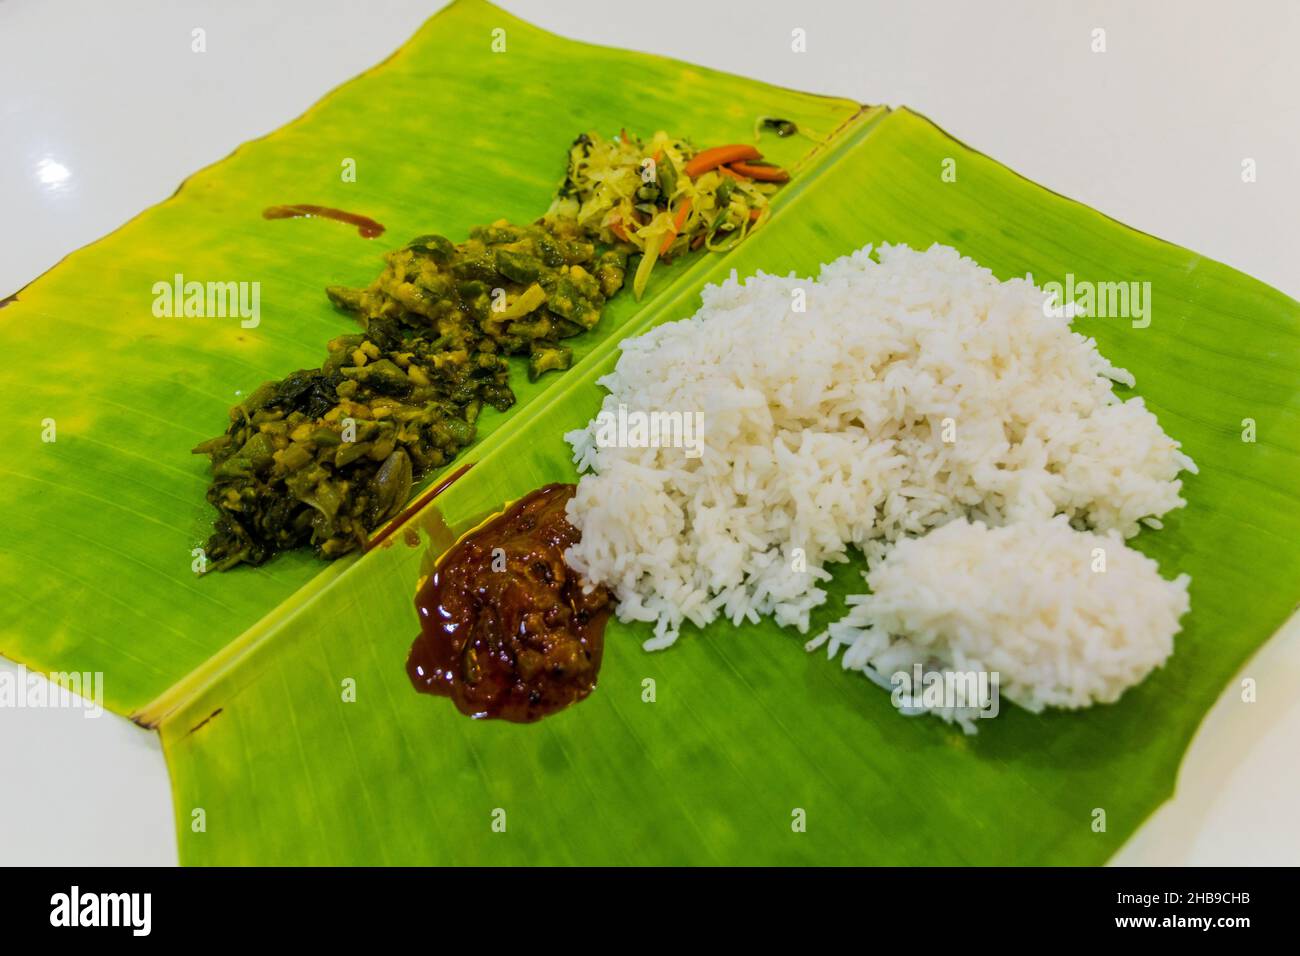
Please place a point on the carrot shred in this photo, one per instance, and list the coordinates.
(708, 159)
(679, 221)
(682, 212)
(616, 227)
(765, 174)
(728, 171)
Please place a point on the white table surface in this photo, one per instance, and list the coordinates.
(104, 110)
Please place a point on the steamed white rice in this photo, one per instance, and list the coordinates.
(1068, 618)
(911, 391)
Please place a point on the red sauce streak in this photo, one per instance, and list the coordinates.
(365, 225)
(506, 628)
(406, 515)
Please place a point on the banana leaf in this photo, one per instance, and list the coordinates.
(289, 726)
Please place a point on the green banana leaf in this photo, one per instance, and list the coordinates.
(290, 729)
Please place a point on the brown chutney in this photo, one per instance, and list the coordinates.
(507, 629)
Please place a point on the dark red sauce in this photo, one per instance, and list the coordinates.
(365, 225)
(506, 627)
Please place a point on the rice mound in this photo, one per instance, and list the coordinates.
(911, 391)
(1075, 618)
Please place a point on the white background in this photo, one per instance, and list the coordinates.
(104, 110)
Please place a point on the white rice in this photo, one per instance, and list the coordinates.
(1066, 618)
(910, 392)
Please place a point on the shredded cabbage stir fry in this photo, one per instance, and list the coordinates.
(662, 197)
